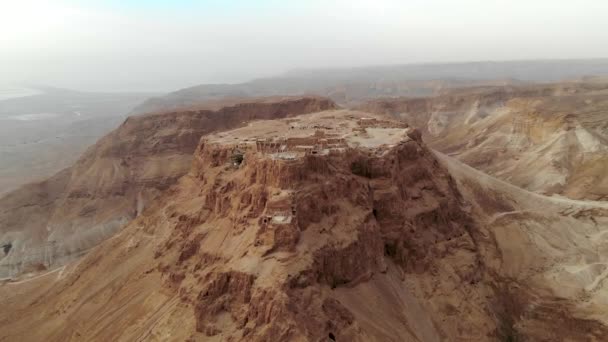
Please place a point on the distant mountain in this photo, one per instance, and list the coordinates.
(353, 86)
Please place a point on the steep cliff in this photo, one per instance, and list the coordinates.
(52, 222)
(331, 226)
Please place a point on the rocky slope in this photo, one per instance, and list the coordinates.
(549, 262)
(46, 224)
(334, 226)
(551, 138)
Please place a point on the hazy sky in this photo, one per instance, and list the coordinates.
(163, 45)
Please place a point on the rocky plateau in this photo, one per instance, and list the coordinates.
(332, 225)
(46, 224)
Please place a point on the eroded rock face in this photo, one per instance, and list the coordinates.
(297, 234)
(360, 236)
(53, 222)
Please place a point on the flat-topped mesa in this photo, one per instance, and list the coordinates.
(367, 198)
(53, 222)
(321, 133)
(253, 247)
(265, 240)
(285, 188)
(282, 160)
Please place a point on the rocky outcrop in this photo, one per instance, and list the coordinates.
(367, 239)
(265, 249)
(54, 221)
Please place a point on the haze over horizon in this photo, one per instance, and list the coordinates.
(166, 45)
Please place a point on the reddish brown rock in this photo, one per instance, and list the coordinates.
(55, 221)
(362, 235)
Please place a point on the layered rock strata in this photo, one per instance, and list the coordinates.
(49, 223)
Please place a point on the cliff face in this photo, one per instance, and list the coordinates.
(332, 226)
(546, 138)
(52, 222)
(357, 239)
(320, 230)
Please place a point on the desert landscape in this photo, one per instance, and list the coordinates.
(272, 218)
(295, 171)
